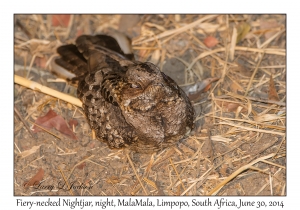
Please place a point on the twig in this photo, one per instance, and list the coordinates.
(253, 74)
(199, 179)
(23, 28)
(252, 129)
(45, 129)
(66, 181)
(237, 172)
(177, 30)
(250, 98)
(38, 87)
(79, 164)
(136, 174)
(177, 174)
(266, 51)
(23, 121)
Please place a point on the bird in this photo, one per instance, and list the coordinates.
(128, 103)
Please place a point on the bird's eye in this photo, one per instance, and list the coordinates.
(132, 85)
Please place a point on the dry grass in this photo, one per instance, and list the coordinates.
(238, 144)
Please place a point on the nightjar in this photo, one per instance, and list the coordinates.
(128, 103)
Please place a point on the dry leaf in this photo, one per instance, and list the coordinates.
(242, 30)
(235, 87)
(210, 41)
(73, 122)
(220, 139)
(29, 152)
(81, 166)
(272, 90)
(61, 20)
(205, 28)
(266, 117)
(79, 32)
(155, 25)
(40, 62)
(269, 27)
(113, 180)
(249, 106)
(230, 106)
(238, 110)
(52, 120)
(35, 180)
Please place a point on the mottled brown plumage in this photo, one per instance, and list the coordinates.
(127, 103)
